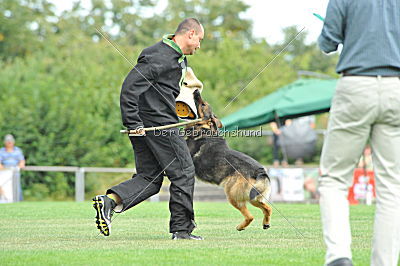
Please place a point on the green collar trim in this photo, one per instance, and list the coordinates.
(167, 39)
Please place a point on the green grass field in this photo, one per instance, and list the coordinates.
(50, 233)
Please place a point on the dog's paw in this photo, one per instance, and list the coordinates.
(239, 228)
(266, 226)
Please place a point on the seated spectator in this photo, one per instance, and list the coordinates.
(12, 157)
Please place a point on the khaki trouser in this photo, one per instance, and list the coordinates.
(363, 108)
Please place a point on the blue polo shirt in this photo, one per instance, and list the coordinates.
(370, 33)
(11, 159)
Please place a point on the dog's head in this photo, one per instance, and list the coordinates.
(210, 124)
(205, 112)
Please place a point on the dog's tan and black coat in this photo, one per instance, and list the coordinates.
(243, 178)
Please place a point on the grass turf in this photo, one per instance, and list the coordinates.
(53, 233)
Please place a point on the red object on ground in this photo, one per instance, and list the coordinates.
(363, 181)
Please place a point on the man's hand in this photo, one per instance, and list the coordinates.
(138, 131)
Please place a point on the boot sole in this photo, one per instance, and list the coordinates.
(101, 223)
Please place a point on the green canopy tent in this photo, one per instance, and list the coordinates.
(300, 98)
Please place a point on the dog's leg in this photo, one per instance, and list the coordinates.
(248, 218)
(267, 210)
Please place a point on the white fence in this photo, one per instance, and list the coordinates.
(79, 175)
(10, 179)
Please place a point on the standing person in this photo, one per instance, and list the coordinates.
(148, 99)
(276, 144)
(12, 157)
(366, 105)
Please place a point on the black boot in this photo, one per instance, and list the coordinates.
(341, 262)
(104, 207)
(185, 235)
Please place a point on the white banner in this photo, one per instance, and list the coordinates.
(6, 186)
(287, 184)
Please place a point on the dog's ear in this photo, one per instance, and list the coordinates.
(216, 121)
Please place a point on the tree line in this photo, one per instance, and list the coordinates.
(60, 80)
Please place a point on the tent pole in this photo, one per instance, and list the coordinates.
(278, 122)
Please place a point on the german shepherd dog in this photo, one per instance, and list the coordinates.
(243, 178)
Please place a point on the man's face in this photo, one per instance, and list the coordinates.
(194, 41)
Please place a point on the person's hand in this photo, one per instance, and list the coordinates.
(275, 128)
(21, 164)
(139, 131)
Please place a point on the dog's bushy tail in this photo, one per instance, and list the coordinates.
(262, 185)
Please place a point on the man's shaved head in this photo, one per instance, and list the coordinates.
(189, 35)
(187, 25)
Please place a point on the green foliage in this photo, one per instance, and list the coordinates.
(63, 108)
(24, 26)
(60, 81)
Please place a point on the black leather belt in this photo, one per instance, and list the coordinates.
(344, 74)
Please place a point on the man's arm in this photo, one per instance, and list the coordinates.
(138, 81)
(334, 26)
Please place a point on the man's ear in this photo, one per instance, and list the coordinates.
(191, 33)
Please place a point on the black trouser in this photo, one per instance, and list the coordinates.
(154, 155)
(275, 148)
